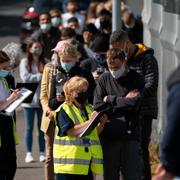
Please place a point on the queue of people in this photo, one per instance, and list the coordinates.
(83, 68)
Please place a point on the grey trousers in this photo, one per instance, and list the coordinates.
(124, 157)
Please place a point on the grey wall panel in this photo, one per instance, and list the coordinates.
(171, 6)
(158, 2)
(168, 38)
(162, 32)
(156, 25)
(146, 17)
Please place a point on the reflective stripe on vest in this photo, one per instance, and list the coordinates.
(72, 161)
(75, 116)
(97, 161)
(78, 161)
(77, 142)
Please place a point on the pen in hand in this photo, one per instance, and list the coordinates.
(14, 90)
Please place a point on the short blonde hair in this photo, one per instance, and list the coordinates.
(73, 84)
(68, 49)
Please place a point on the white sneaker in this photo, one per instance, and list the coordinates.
(29, 158)
(42, 157)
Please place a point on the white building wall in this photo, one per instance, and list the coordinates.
(161, 32)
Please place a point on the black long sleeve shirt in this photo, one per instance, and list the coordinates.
(121, 110)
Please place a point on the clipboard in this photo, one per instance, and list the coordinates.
(94, 122)
(24, 94)
(30, 86)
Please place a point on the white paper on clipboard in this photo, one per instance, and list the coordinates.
(24, 94)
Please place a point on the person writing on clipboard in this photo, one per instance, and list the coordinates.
(8, 135)
(75, 157)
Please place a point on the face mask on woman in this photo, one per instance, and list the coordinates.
(36, 51)
(81, 97)
(4, 73)
(119, 73)
(67, 66)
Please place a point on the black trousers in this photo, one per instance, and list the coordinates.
(124, 156)
(146, 125)
(7, 150)
(74, 177)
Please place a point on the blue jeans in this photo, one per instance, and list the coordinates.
(29, 114)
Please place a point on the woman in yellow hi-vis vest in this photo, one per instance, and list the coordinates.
(8, 136)
(74, 157)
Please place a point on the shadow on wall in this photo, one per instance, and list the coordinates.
(10, 25)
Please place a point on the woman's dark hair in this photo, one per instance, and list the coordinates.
(3, 57)
(29, 55)
(82, 51)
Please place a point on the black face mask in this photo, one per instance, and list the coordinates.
(104, 24)
(82, 97)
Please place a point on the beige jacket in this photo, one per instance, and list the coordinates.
(44, 95)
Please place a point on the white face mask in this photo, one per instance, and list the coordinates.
(36, 51)
(117, 74)
(130, 26)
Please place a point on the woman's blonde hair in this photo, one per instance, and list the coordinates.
(73, 84)
(67, 49)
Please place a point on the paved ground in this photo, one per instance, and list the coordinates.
(32, 171)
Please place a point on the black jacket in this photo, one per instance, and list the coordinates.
(62, 74)
(170, 146)
(144, 62)
(48, 42)
(122, 111)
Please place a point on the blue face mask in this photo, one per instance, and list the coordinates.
(45, 27)
(55, 21)
(4, 73)
(67, 66)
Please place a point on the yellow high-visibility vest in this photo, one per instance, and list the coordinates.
(14, 124)
(69, 152)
